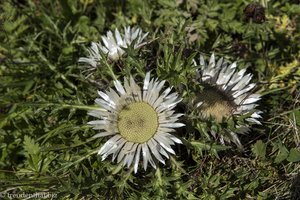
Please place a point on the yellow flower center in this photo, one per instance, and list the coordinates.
(138, 122)
(215, 104)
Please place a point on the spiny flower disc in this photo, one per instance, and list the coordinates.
(215, 104)
(138, 121)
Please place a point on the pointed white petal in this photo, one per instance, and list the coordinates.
(118, 37)
(117, 150)
(131, 154)
(119, 87)
(109, 144)
(240, 92)
(97, 122)
(243, 82)
(172, 125)
(145, 153)
(137, 158)
(153, 148)
(253, 120)
(256, 115)
(251, 99)
(102, 134)
(235, 139)
(146, 81)
(164, 143)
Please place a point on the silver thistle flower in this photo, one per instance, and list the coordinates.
(226, 93)
(113, 46)
(140, 122)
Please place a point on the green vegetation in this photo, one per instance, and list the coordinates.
(47, 146)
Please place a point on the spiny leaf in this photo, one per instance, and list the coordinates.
(30, 146)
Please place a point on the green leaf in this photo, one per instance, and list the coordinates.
(202, 146)
(259, 149)
(213, 148)
(282, 155)
(294, 155)
(295, 116)
(32, 153)
(30, 146)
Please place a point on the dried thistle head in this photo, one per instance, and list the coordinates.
(255, 12)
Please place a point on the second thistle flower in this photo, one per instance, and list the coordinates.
(113, 45)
